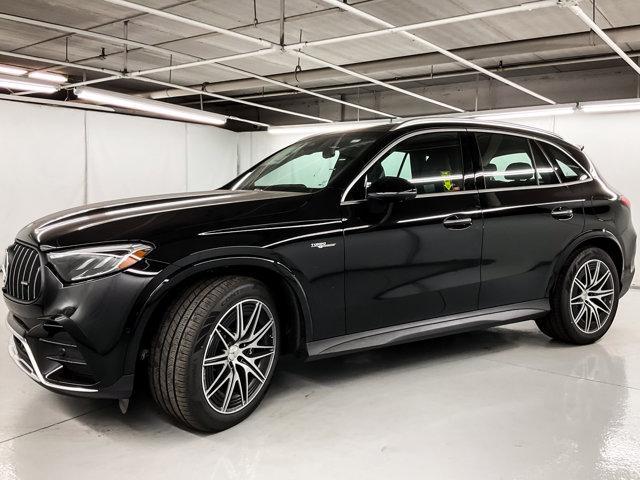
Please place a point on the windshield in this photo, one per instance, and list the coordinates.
(308, 165)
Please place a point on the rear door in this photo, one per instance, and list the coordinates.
(420, 259)
(530, 217)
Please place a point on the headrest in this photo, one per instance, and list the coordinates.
(519, 172)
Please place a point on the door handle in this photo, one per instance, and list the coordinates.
(455, 222)
(562, 213)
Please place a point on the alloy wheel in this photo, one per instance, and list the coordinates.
(239, 356)
(592, 295)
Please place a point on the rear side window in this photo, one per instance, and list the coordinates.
(565, 166)
(507, 160)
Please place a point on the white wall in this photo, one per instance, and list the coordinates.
(610, 140)
(52, 158)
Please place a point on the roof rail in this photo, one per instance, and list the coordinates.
(471, 121)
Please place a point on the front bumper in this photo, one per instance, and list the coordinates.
(75, 338)
(49, 370)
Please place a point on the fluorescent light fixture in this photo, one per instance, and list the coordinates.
(611, 106)
(48, 76)
(9, 70)
(322, 128)
(524, 113)
(25, 84)
(104, 97)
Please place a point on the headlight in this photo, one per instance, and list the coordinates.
(91, 262)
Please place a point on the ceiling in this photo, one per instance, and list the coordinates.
(489, 42)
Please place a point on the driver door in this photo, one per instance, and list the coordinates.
(420, 258)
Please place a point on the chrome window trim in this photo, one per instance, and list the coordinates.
(531, 187)
(422, 195)
(381, 153)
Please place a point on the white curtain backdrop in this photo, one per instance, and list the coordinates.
(53, 158)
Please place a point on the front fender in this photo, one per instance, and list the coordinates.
(180, 271)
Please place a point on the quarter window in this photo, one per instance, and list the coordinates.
(545, 173)
(565, 166)
(431, 161)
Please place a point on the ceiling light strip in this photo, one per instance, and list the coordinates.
(605, 38)
(11, 70)
(104, 97)
(11, 82)
(114, 74)
(453, 56)
(377, 82)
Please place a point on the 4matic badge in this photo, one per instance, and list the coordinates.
(322, 245)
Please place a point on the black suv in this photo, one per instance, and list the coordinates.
(339, 242)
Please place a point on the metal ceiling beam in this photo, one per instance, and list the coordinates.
(218, 61)
(194, 91)
(605, 38)
(449, 74)
(115, 74)
(266, 43)
(504, 49)
(525, 7)
(304, 90)
(189, 21)
(58, 62)
(433, 46)
(377, 82)
(89, 34)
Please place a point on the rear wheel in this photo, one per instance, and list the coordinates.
(585, 299)
(215, 353)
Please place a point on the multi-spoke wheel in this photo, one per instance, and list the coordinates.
(592, 296)
(238, 356)
(585, 298)
(213, 357)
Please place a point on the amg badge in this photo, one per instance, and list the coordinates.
(322, 245)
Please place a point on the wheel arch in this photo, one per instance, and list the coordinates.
(288, 291)
(602, 239)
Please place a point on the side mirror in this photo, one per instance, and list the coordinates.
(392, 189)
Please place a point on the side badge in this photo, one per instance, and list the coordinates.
(322, 245)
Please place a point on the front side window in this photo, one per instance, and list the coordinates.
(507, 160)
(431, 161)
(308, 165)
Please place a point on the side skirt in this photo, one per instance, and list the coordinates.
(433, 327)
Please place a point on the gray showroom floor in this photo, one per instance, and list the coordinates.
(504, 403)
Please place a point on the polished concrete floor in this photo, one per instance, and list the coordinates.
(503, 403)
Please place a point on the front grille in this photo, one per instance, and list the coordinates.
(23, 280)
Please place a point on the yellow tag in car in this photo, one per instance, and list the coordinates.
(447, 182)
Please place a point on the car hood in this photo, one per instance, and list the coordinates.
(146, 218)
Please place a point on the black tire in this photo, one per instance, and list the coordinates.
(181, 342)
(559, 323)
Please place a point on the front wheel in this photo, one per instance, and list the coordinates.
(585, 299)
(214, 355)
